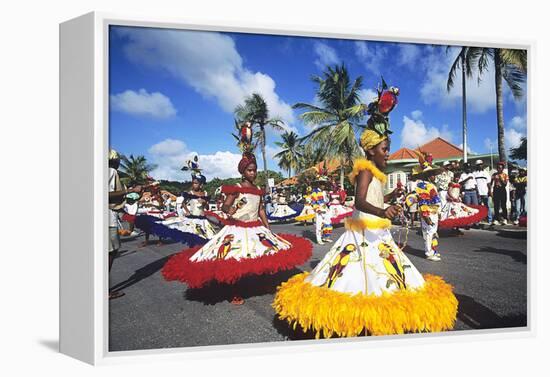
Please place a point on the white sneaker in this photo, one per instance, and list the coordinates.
(434, 258)
(320, 243)
(516, 222)
(504, 222)
(495, 222)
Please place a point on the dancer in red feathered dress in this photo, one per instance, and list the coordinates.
(244, 246)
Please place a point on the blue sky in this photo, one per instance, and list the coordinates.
(172, 93)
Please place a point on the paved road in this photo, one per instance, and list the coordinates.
(487, 269)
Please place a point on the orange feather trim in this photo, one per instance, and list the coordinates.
(327, 312)
(364, 164)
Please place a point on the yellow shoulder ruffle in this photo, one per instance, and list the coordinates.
(364, 164)
(359, 225)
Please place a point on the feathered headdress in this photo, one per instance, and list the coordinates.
(246, 145)
(193, 166)
(378, 124)
(380, 108)
(425, 167)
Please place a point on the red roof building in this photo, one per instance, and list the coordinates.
(439, 148)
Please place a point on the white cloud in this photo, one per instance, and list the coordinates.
(367, 95)
(155, 104)
(488, 143)
(470, 150)
(207, 61)
(326, 55)
(170, 155)
(416, 114)
(408, 55)
(512, 138)
(271, 151)
(371, 55)
(518, 123)
(415, 133)
(437, 63)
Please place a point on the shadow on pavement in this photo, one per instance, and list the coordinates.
(141, 274)
(246, 287)
(478, 316)
(412, 251)
(516, 255)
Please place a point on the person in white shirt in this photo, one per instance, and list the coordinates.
(443, 180)
(483, 180)
(469, 185)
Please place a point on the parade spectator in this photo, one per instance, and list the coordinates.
(483, 180)
(117, 192)
(468, 183)
(521, 191)
(512, 195)
(499, 181)
(443, 180)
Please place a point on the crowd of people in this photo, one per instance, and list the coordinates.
(476, 185)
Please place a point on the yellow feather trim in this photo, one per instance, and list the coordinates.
(309, 217)
(326, 312)
(358, 225)
(364, 164)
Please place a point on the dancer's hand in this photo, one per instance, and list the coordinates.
(392, 211)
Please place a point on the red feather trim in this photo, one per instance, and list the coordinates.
(465, 221)
(229, 221)
(242, 190)
(228, 271)
(338, 219)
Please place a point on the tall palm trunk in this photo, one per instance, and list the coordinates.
(500, 107)
(262, 128)
(464, 122)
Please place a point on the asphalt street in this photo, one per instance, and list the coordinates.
(488, 270)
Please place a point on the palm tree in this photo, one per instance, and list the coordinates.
(311, 155)
(520, 152)
(510, 65)
(464, 62)
(135, 169)
(290, 156)
(337, 118)
(255, 111)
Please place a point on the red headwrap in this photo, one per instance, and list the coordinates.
(248, 158)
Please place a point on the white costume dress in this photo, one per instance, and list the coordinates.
(337, 211)
(244, 246)
(365, 283)
(195, 222)
(282, 211)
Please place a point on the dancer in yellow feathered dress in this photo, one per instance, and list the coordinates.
(365, 284)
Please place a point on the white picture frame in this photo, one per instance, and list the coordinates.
(84, 103)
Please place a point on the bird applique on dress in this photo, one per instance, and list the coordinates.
(225, 247)
(267, 242)
(392, 265)
(339, 263)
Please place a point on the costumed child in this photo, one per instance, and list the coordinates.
(245, 245)
(319, 202)
(365, 283)
(130, 212)
(428, 201)
(307, 214)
